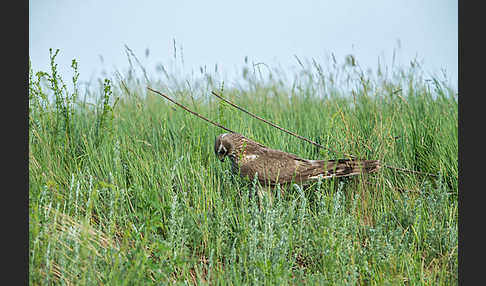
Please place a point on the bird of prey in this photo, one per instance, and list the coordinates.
(272, 167)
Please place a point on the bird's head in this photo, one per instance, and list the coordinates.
(222, 146)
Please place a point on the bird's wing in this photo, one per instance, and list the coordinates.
(275, 166)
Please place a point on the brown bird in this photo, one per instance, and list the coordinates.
(271, 166)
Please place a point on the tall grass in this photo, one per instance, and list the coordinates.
(127, 191)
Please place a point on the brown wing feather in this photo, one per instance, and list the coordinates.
(275, 166)
(281, 167)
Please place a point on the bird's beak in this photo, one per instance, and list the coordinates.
(221, 158)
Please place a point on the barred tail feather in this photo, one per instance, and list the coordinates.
(350, 167)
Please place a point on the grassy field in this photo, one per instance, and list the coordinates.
(124, 189)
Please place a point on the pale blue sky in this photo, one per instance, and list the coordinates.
(224, 32)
